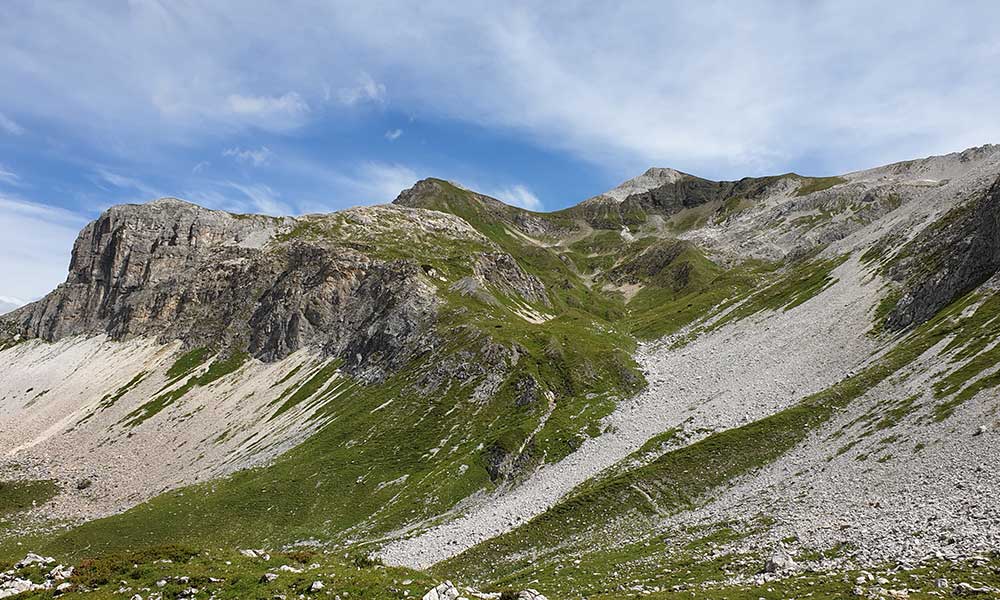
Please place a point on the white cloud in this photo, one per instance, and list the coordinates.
(35, 247)
(128, 183)
(518, 195)
(838, 84)
(6, 124)
(201, 166)
(366, 90)
(262, 199)
(393, 134)
(9, 177)
(270, 112)
(382, 182)
(290, 103)
(257, 157)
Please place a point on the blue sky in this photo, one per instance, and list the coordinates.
(307, 106)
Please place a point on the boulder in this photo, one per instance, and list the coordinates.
(34, 559)
(780, 561)
(443, 591)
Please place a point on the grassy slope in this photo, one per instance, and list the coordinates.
(172, 571)
(21, 495)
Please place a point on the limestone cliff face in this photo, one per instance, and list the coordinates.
(174, 270)
(948, 259)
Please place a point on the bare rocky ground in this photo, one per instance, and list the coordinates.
(920, 488)
(61, 432)
(735, 375)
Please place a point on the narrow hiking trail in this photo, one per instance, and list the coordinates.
(737, 374)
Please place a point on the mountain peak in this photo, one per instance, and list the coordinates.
(417, 195)
(653, 178)
(171, 201)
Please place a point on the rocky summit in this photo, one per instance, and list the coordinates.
(775, 387)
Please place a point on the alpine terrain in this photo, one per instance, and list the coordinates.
(775, 387)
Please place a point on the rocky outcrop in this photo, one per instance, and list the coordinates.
(658, 265)
(665, 194)
(443, 591)
(173, 270)
(501, 272)
(949, 258)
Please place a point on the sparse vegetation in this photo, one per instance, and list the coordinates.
(218, 369)
(811, 185)
(20, 495)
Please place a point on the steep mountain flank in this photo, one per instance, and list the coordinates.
(267, 287)
(665, 192)
(951, 257)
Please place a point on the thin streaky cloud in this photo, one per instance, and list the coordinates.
(9, 177)
(9, 126)
(125, 182)
(254, 156)
(519, 195)
(366, 90)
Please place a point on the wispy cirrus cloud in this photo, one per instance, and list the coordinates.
(518, 195)
(393, 134)
(269, 112)
(9, 177)
(35, 246)
(9, 303)
(262, 199)
(9, 126)
(254, 156)
(125, 182)
(378, 182)
(365, 90)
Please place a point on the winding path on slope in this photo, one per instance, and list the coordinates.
(738, 374)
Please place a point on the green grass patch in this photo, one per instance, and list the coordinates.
(20, 495)
(811, 185)
(110, 400)
(295, 394)
(172, 571)
(187, 362)
(217, 370)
